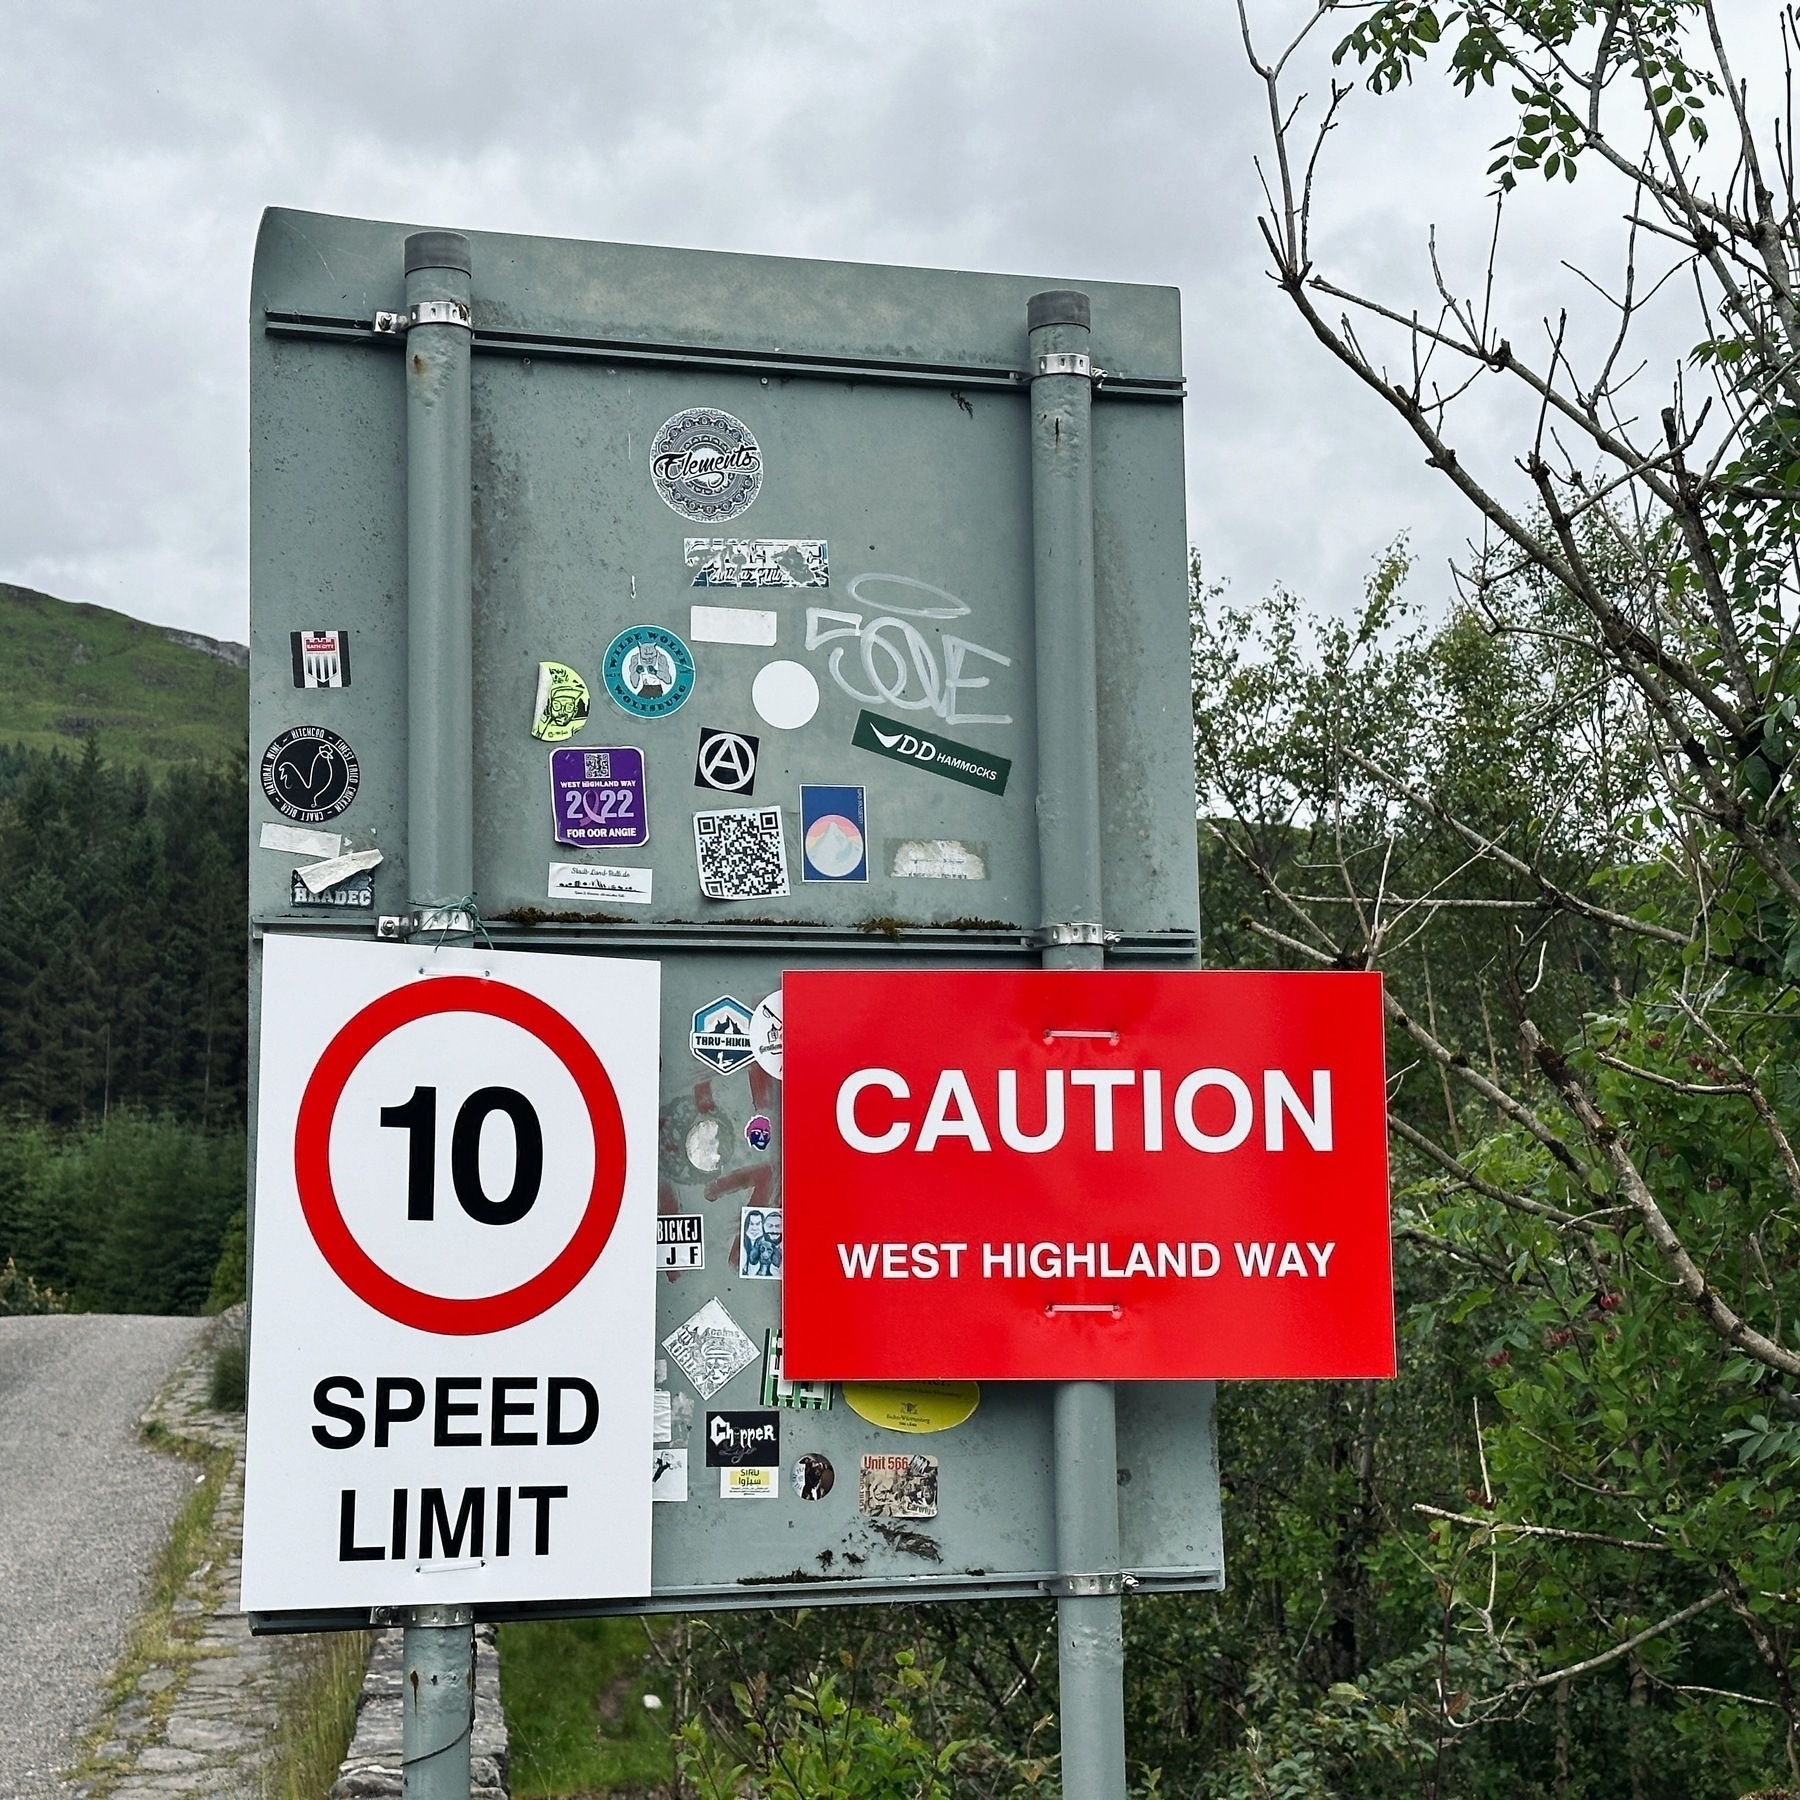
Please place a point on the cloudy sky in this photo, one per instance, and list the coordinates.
(140, 143)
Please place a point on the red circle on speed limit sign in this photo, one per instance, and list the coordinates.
(447, 1316)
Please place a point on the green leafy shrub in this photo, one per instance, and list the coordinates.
(813, 1744)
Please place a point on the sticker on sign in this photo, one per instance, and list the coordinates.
(453, 1335)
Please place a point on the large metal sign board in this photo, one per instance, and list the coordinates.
(1084, 1176)
(754, 663)
(451, 1339)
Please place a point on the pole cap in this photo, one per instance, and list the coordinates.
(437, 250)
(1060, 306)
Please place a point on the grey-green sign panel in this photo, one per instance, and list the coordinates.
(883, 563)
(890, 427)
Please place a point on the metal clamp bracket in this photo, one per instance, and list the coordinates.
(1066, 362)
(1055, 937)
(432, 1617)
(432, 921)
(427, 921)
(427, 312)
(1089, 1587)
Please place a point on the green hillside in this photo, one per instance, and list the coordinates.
(149, 694)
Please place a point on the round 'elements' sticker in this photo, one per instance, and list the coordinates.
(706, 465)
(648, 671)
(785, 695)
(813, 1476)
(310, 774)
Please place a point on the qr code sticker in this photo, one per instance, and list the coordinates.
(741, 855)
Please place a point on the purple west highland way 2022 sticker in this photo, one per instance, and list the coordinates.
(598, 796)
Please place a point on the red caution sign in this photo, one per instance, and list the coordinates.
(1072, 1176)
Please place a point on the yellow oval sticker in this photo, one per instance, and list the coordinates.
(915, 1406)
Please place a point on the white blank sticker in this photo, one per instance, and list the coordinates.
(321, 875)
(731, 625)
(785, 695)
(296, 840)
(939, 859)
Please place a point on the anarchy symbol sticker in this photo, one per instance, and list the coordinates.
(727, 761)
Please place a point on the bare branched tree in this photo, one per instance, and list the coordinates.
(1632, 874)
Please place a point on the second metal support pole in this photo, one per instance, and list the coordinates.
(437, 1702)
(1090, 1640)
(438, 1652)
(439, 610)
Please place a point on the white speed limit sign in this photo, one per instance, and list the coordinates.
(452, 1326)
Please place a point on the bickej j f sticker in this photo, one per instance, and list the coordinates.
(681, 1241)
(741, 855)
(834, 841)
(597, 797)
(709, 1349)
(561, 708)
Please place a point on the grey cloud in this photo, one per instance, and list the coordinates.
(1104, 141)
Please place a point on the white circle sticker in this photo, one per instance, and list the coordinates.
(785, 695)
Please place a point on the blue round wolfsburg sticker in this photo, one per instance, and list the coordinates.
(648, 671)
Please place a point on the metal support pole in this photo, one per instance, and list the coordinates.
(1089, 1637)
(437, 1700)
(439, 653)
(438, 1651)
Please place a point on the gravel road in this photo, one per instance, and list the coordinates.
(84, 1506)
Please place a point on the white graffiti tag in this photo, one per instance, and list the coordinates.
(895, 653)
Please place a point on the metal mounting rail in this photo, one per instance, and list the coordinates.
(628, 934)
(490, 341)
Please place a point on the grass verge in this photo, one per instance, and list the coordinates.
(161, 1638)
(573, 1691)
(322, 1677)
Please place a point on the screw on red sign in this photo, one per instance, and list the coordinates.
(1056, 1176)
(407, 1305)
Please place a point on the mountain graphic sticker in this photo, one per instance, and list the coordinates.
(833, 834)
